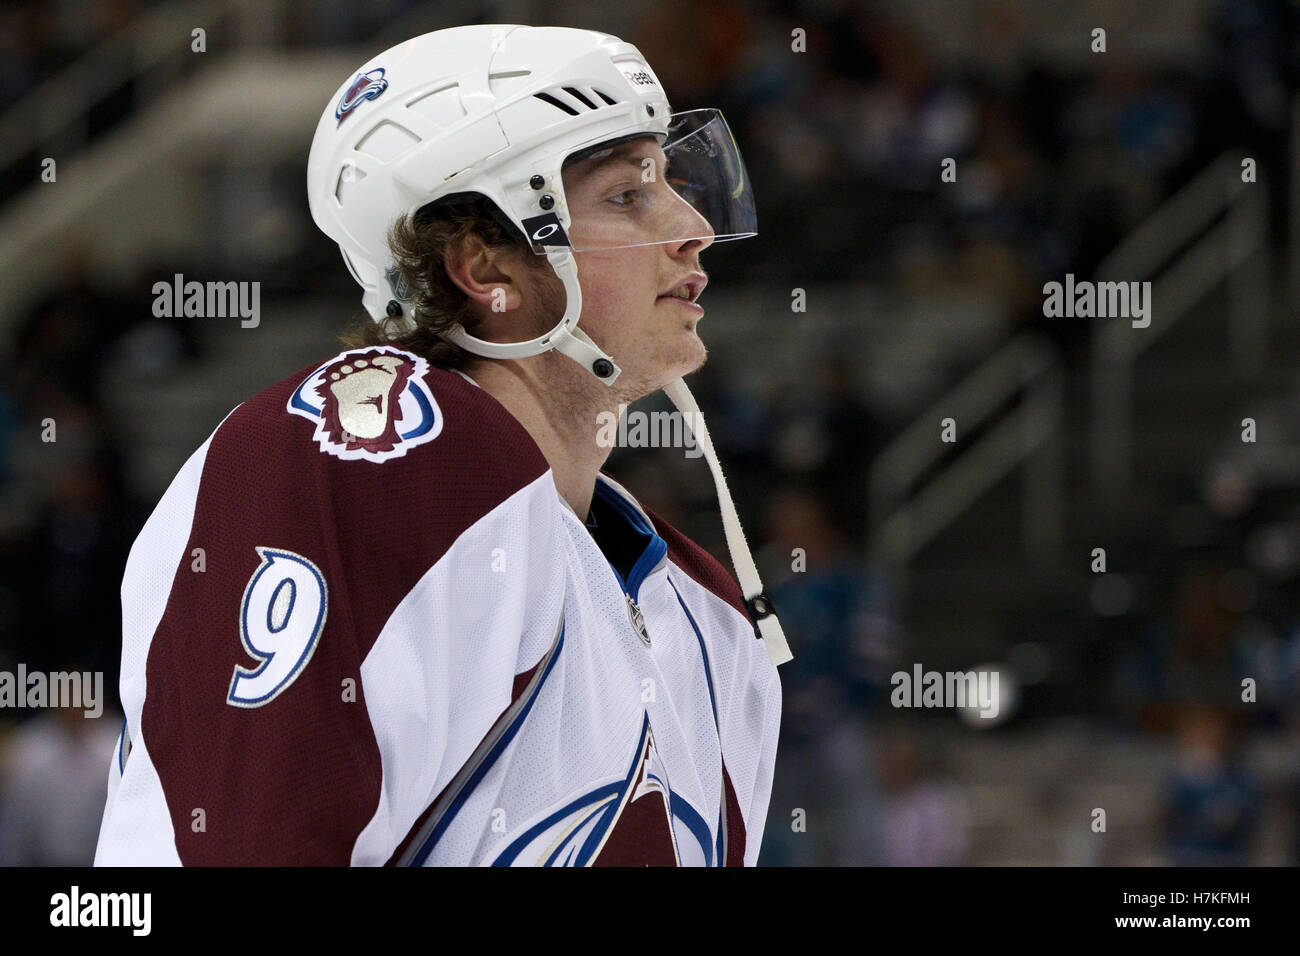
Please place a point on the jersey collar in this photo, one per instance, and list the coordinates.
(655, 554)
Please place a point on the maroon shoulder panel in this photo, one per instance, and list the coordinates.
(293, 780)
(704, 568)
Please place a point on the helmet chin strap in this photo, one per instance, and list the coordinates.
(756, 599)
(566, 337)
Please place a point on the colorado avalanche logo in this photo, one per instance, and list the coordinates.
(366, 86)
(369, 404)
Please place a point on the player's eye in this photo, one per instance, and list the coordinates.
(618, 199)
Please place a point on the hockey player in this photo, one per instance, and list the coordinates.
(426, 628)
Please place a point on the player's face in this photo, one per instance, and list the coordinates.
(622, 200)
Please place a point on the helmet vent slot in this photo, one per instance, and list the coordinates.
(573, 100)
(441, 106)
(577, 95)
(349, 176)
(558, 104)
(387, 141)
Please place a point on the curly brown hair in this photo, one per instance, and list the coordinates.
(419, 243)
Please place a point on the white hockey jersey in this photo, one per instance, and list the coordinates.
(362, 627)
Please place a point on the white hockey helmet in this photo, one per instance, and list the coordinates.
(496, 109)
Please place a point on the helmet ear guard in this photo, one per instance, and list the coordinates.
(565, 338)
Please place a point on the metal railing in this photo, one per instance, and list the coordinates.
(155, 48)
(904, 519)
(54, 118)
(1180, 278)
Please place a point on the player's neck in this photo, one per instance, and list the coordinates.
(560, 405)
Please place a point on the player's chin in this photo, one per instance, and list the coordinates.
(688, 357)
(673, 360)
(702, 355)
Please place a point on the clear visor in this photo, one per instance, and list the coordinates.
(631, 191)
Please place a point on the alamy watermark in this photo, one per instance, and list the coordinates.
(976, 689)
(83, 690)
(647, 430)
(1102, 300)
(208, 300)
(130, 910)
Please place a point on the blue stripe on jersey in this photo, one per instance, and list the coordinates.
(598, 796)
(614, 809)
(481, 771)
(427, 417)
(713, 702)
(704, 652)
(695, 823)
(121, 749)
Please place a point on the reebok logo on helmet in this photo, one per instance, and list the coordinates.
(637, 77)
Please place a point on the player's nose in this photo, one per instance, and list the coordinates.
(690, 225)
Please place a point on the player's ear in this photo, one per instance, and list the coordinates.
(489, 276)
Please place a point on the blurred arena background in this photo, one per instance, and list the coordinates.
(923, 300)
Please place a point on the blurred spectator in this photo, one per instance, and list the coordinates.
(700, 62)
(826, 805)
(53, 786)
(910, 118)
(834, 609)
(1253, 61)
(1194, 653)
(60, 346)
(838, 617)
(822, 438)
(1212, 803)
(924, 819)
(72, 568)
(31, 45)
